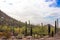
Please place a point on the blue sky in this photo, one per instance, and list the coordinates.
(37, 11)
(54, 4)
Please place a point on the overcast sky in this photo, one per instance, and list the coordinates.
(37, 11)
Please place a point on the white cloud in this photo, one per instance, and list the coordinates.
(34, 10)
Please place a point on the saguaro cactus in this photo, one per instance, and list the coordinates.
(30, 29)
(52, 34)
(31, 32)
(55, 27)
(26, 29)
(42, 27)
(49, 29)
(13, 26)
(57, 23)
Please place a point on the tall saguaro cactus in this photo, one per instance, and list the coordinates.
(26, 29)
(12, 29)
(31, 32)
(57, 23)
(42, 27)
(30, 29)
(49, 29)
(55, 27)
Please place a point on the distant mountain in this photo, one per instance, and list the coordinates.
(47, 25)
(7, 20)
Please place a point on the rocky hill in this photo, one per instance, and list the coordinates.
(7, 20)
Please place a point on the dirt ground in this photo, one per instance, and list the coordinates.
(49, 38)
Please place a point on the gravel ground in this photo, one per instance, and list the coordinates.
(51, 38)
(56, 37)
